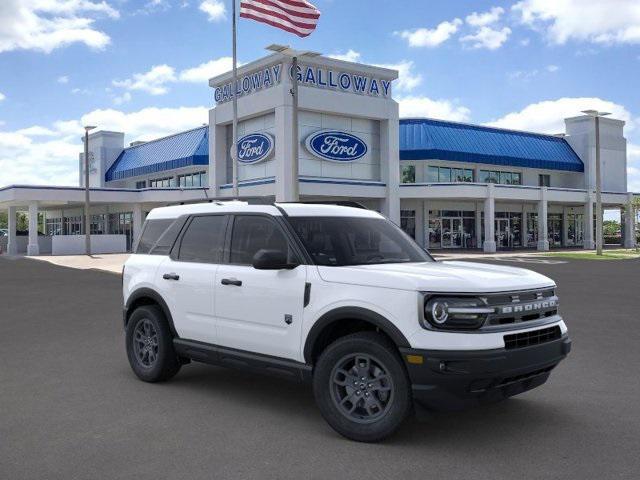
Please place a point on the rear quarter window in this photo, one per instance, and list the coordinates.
(159, 236)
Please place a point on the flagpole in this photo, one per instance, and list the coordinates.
(295, 192)
(234, 146)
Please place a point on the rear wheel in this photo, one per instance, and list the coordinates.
(150, 345)
(361, 387)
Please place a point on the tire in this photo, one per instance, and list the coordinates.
(149, 345)
(369, 410)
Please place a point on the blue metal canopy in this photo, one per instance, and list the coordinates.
(183, 149)
(427, 139)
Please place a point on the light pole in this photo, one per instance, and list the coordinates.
(87, 217)
(295, 146)
(596, 114)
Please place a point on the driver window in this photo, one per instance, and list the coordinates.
(252, 233)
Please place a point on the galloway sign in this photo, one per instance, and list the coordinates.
(308, 76)
(248, 84)
(255, 148)
(328, 78)
(336, 146)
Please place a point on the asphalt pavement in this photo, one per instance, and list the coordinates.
(70, 408)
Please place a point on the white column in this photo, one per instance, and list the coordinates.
(478, 226)
(283, 154)
(543, 240)
(137, 223)
(389, 163)
(12, 245)
(629, 224)
(33, 248)
(589, 242)
(489, 245)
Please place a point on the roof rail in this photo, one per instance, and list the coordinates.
(340, 203)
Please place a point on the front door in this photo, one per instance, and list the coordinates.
(259, 310)
(503, 233)
(451, 232)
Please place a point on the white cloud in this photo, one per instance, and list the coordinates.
(120, 99)
(48, 155)
(407, 78)
(420, 106)
(203, 72)
(349, 56)
(424, 37)
(552, 68)
(525, 42)
(595, 21)
(487, 37)
(214, 9)
(45, 25)
(63, 79)
(548, 116)
(2, 96)
(154, 81)
(486, 18)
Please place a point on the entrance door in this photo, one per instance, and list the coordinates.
(504, 237)
(451, 233)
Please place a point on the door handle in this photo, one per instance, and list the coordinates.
(231, 281)
(171, 276)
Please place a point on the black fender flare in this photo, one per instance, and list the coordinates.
(157, 298)
(352, 313)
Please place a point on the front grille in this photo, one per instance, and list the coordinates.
(517, 307)
(534, 337)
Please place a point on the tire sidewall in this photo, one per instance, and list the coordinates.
(166, 364)
(377, 346)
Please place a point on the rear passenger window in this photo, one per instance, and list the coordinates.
(168, 238)
(253, 233)
(203, 240)
(153, 230)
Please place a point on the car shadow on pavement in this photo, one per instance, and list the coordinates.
(507, 422)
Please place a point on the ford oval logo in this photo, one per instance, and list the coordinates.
(336, 146)
(255, 148)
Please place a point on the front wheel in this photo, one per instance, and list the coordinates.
(361, 387)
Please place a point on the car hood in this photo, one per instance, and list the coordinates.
(462, 277)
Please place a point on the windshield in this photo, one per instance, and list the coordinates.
(341, 241)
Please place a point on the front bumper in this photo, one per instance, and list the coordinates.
(452, 380)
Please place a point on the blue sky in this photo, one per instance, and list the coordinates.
(142, 66)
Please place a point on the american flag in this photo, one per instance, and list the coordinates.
(294, 16)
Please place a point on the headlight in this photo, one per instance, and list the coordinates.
(455, 313)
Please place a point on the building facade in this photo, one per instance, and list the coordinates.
(448, 185)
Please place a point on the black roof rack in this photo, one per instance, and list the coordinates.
(340, 203)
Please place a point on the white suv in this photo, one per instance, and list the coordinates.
(341, 297)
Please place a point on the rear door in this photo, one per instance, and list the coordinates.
(259, 310)
(187, 277)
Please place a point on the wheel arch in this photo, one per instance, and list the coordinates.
(147, 296)
(332, 319)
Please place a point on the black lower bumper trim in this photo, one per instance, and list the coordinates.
(451, 380)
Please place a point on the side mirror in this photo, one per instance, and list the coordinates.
(272, 260)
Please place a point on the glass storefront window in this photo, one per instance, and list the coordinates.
(408, 174)
(532, 229)
(554, 229)
(504, 178)
(408, 222)
(432, 174)
(575, 229)
(445, 175)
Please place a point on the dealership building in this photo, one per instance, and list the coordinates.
(448, 185)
